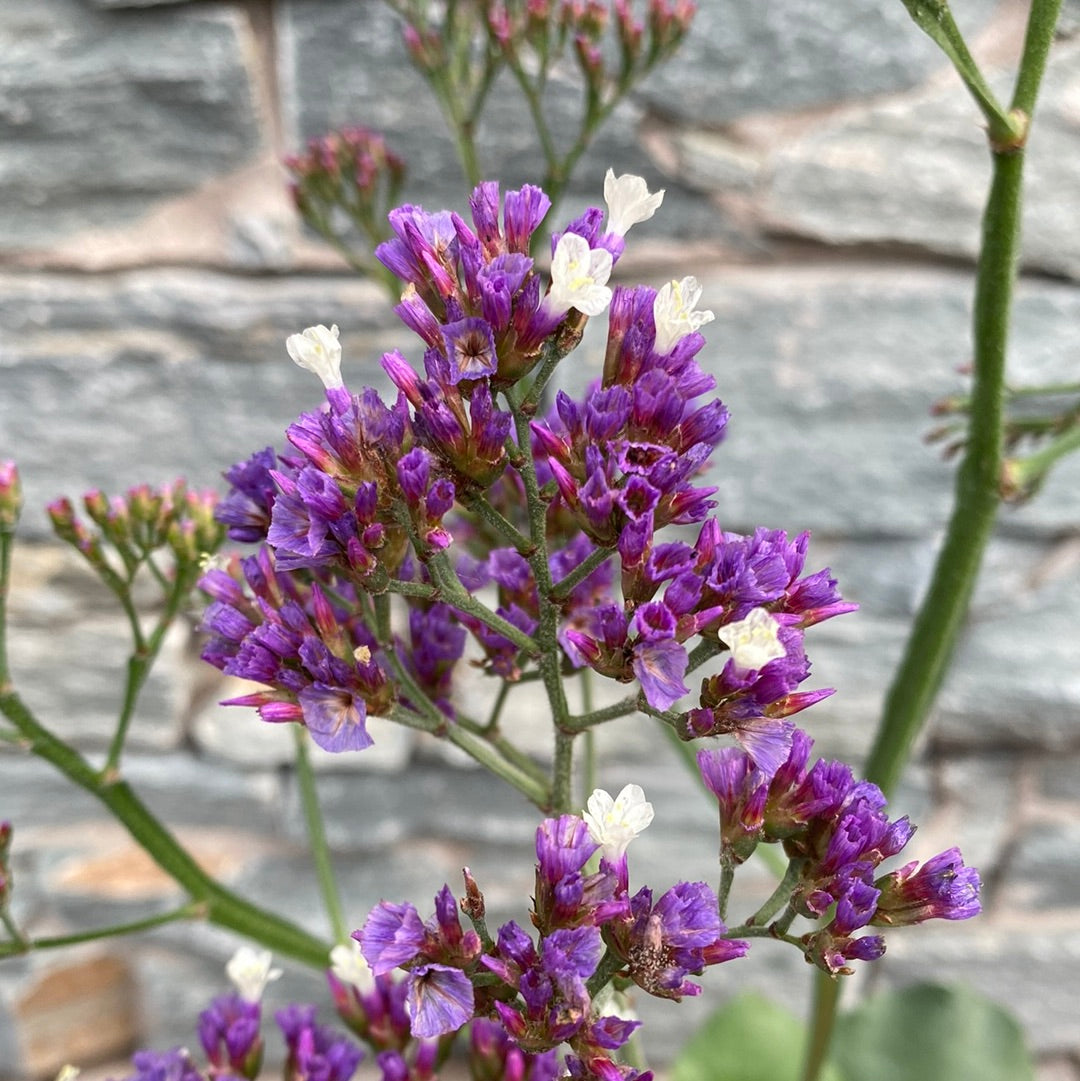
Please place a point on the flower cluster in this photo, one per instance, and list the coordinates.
(430, 498)
(591, 931)
(230, 1032)
(836, 832)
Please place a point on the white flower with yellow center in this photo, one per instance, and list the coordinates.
(250, 971)
(579, 277)
(614, 823)
(753, 641)
(348, 965)
(675, 315)
(317, 349)
(629, 201)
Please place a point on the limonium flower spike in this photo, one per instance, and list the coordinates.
(250, 971)
(614, 823)
(629, 201)
(317, 349)
(675, 314)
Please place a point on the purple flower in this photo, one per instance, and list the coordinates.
(316, 1053)
(229, 1032)
(246, 509)
(741, 790)
(660, 664)
(174, 1065)
(440, 1000)
(678, 936)
(470, 348)
(942, 888)
(391, 936)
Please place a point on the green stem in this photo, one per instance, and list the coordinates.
(941, 615)
(316, 830)
(826, 1000)
(938, 622)
(1021, 476)
(565, 586)
(484, 753)
(777, 899)
(222, 906)
(190, 911)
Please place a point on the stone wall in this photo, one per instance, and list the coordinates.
(824, 176)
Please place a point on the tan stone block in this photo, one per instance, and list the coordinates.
(81, 1012)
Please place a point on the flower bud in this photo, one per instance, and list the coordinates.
(10, 495)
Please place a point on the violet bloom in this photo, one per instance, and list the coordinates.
(440, 1000)
(942, 888)
(678, 936)
(392, 935)
(247, 508)
(316, 1053)
(741, 790)
(229, 1033)
(494, 1054)
(174, 1065)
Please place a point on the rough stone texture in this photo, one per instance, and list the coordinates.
(915, 171)
(791, 55)
(102, 114)
(829, 123)
(165, 365)
(1039, 983)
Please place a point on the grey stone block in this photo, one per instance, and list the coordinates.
(915, 171)
(72, 678)
(105, 113)
(1032, 971)
(979, 805)
(742, 59)
(1059, 777)
(179, 373)
(1044, 873)
(1014, 680)
(343, 63)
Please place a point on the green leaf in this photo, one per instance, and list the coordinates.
(930, 1031)
(749, 1039)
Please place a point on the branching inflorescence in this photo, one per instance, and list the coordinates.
(529, 541)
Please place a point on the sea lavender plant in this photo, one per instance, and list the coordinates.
(531, 540)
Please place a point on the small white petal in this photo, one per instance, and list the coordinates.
(674, 314)
(614, 823)
(250, 971)
(579, 277)
(68, 1073)
(348, 965)
(628, 201)
(318, 350)
(753, 641)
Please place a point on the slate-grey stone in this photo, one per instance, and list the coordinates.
(1059, 778)
(1032, 971)
(343, 63)
(915, 171)
(1014, 679)
(788, 55)
(104, 113)
(176, 373)
(1043, 874)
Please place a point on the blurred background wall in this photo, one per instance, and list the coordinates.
(824, 178)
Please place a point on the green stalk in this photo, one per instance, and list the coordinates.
(190, 911)
(316, 830)
(222, 906)
(941, 615)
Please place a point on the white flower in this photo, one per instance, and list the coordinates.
(579, 277)
(68, 1073)
(319, 351)
(250, 972)
(348, 965)
(753, 641)
(673, 311)
(628, 201)
(614, 823)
